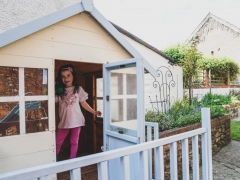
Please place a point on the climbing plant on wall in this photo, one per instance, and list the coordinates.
(220, 67)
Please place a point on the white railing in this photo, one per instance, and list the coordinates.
(152, 126)
(101, 159)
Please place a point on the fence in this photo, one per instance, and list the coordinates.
(101, 159)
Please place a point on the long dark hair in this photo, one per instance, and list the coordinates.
(58, 80)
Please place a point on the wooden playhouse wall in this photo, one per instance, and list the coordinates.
(79, 38)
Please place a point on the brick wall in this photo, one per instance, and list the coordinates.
(220, 137)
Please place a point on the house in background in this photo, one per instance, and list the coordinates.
(30, 56)
(217, 37)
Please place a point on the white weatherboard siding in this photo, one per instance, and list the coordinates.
(78, 38)
(156, 61)
(32, 150)
(82, 36)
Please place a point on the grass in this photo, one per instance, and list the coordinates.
(235, 130)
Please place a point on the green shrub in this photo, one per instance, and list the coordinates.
(215, 99)
(188, 119)
(180, 108)
(164, 121)
(182, 114)
(217, 111)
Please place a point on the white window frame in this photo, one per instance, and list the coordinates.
(124, 96)
(28, 62)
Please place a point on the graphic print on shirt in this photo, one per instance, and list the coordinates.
(69, 99)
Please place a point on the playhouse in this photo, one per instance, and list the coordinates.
(30, 56)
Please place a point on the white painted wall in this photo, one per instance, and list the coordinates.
(15, 13)
(157, 61)
(201, 92)
(222, 43)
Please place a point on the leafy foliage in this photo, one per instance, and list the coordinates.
(188, 57)
(217, 111)
(220, 66)
(180, 108)
(164, 121)
(182, 114)
(188, 119)
(177, 52)
(215, 99)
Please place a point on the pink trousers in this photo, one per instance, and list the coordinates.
(61, 135)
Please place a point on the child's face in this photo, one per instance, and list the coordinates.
(67, 78)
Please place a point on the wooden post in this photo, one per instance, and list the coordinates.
(228, 79)
(206, 78)
(206, 145)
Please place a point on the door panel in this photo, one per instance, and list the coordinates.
(124, 118)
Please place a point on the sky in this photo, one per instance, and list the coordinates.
(163, 23)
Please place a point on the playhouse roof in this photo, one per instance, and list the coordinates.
(84, 6)
(135, 38)
(210, 22)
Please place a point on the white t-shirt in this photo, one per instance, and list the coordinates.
(70, 113)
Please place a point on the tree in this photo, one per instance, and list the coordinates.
(188, 56)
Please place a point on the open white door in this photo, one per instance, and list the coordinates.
(124, 116)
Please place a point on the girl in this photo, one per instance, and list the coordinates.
(69, 94)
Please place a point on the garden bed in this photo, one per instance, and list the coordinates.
(220, 138)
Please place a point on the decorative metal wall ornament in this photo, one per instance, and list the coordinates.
(164, 82)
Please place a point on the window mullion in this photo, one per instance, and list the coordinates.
(22, 102)
(124, 97)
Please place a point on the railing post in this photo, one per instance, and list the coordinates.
(149, 138)
(185, 159)
(103, 170)
(143, 161)
(155, 127)
(75, 174)
(207, 144)
(173, 161)
(125, 165)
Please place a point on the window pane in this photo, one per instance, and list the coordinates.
(9, 79)
(117, 110)
(131, 109)
(36, 114)
(35, 81)
(116, 84)
(131, 84)
(100, 105)
(9, 118)
(100, 87)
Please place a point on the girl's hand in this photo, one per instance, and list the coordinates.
(98, 113)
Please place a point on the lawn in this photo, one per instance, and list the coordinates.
(235, 130)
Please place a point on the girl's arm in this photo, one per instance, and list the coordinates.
(86, 106)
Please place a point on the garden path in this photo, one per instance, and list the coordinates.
(226, 163)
